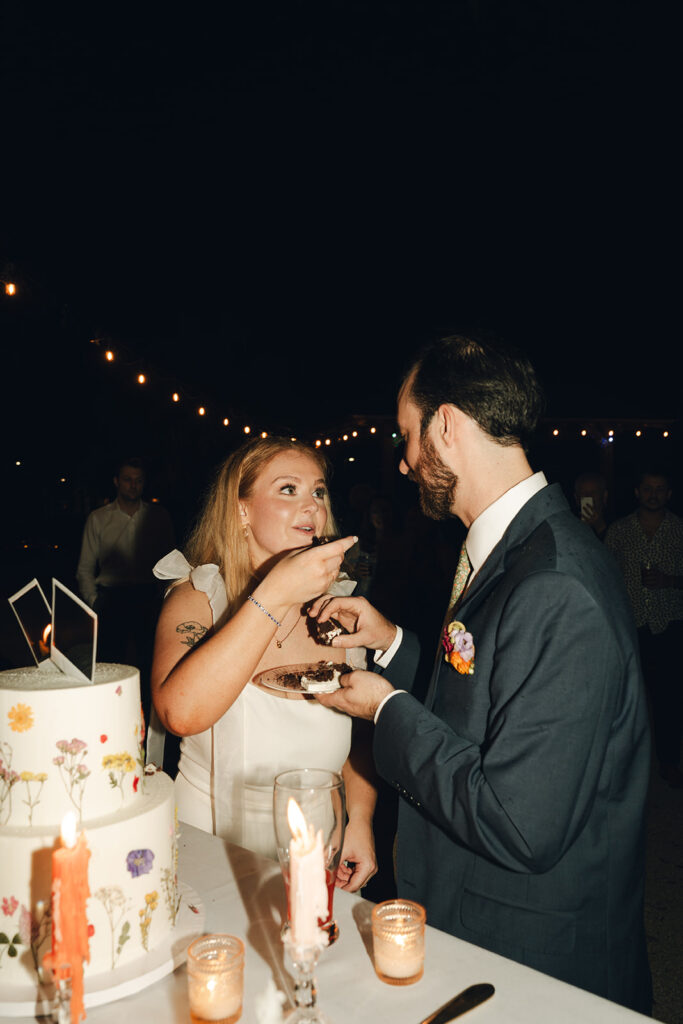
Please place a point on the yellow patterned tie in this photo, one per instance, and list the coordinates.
(461, 576)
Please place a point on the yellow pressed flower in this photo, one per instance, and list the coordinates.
(40, 776)
(27, 776)
(20, 718)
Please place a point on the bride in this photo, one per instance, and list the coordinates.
(238, 607)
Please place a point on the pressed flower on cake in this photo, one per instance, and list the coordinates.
(20, 718)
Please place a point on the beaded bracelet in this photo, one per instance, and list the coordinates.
(265, 611)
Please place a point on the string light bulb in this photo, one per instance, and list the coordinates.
(141, 379)
(201, 410)
(226, 422)
(247, 430)
(175, 397)
(556, 432)
(109, 356)
(10, 288)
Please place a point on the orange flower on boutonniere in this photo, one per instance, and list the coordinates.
(459, 647)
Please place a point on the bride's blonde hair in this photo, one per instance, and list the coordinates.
(218, 535)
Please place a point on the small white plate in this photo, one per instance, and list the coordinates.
(287, 678)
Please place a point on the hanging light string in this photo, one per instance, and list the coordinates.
(602, 430)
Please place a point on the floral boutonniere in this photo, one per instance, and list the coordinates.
(459, 647)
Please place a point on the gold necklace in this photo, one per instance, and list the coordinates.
(281, 642)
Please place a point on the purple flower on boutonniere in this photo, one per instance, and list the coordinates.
(139, 862)
(459, 647)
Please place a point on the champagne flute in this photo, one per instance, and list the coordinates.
(320, 795)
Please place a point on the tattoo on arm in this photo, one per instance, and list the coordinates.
(190, 633)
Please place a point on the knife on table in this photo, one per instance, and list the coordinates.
(464, 1001)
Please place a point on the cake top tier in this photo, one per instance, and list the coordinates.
(67, 745)
(49, 677)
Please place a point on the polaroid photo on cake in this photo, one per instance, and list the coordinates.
(35, 619)
(73, 640)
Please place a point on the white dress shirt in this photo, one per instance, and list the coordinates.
(121, 550)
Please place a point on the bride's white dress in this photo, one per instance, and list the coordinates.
(225, 774)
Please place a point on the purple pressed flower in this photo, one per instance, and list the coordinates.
(464, 645)
(76, 746)
(139, 862)
(62, 745)
(58, 760)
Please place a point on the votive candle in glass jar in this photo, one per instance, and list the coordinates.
(215, 979)
(398, 930)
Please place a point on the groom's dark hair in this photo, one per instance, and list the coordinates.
(492, 383)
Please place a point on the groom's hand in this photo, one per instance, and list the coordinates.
(365, 626)
(360, 695)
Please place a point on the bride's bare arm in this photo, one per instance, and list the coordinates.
(197, 674)
(358, 861)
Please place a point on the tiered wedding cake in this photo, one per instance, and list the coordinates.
(69, 745)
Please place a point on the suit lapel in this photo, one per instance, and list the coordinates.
(537, 509)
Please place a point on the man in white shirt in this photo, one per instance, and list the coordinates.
(524, 773)
(648, 547)
(122, 541)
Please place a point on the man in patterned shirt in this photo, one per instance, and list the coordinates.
(648, 545)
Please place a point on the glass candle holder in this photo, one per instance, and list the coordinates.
(398, 932)
(215, 979)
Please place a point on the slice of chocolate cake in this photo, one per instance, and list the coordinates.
(322, 678)
(325, 632)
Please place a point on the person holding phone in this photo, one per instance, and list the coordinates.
(590, 494)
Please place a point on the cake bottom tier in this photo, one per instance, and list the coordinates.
(36, 1000)
(132, 874)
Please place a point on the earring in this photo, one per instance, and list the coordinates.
(246, 529)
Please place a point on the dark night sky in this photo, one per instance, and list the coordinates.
(276, 206)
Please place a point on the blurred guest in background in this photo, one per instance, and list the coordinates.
(121, 543)
(648, 545)
(590, 494)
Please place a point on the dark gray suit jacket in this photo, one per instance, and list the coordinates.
(524, 784)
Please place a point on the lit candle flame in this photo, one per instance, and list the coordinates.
(69, 829)
(297, 822)
(46, 632)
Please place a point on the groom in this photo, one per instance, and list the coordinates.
(524, 773)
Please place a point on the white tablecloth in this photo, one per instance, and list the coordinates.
(243, 895)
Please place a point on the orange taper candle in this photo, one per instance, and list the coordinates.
(70, 891)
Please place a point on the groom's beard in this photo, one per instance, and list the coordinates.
(436, 482)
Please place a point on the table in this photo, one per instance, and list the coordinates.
(243, 894)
